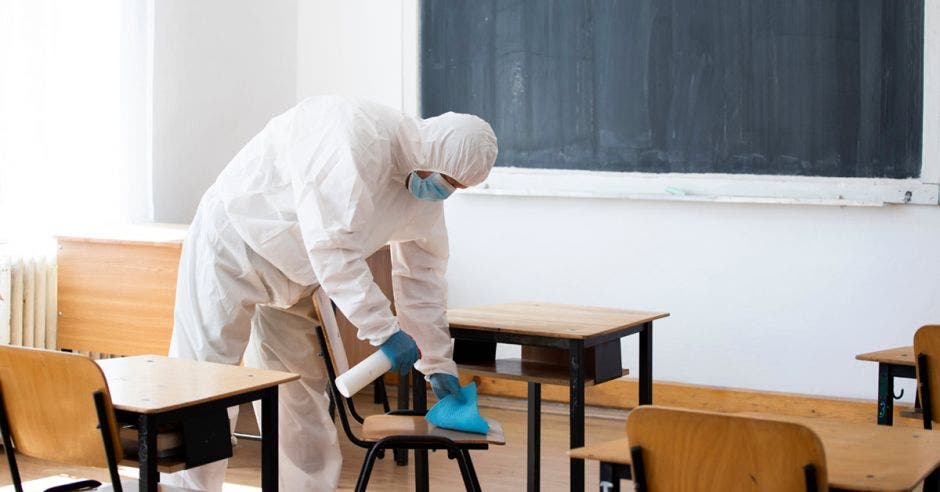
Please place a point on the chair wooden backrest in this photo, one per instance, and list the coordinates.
(341, 332)
(49, 401)
(927, 357)
(684, 450)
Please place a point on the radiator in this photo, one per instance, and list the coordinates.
(28, 300)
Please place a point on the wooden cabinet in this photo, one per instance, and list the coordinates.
(116, 289)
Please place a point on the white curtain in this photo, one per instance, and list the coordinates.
(75, 103)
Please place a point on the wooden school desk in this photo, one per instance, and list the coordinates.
(858, 456)
(116, 288)
(152, 390)
(587, 339)
(892, 363)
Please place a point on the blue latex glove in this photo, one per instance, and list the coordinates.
(445, 384)
(401, 349)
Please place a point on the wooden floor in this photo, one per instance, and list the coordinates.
(501, 468)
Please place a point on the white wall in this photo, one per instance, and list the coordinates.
(769, 297)
(351, 47)
(765, 297)
(222, 69)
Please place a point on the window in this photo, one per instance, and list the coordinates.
(73, 114)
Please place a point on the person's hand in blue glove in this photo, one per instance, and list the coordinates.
(445, 384)
(401, 349)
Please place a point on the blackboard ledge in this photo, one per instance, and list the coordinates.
(666, 197)
(711, 188)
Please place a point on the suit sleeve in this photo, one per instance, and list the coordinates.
(418, 277)
(333, 183)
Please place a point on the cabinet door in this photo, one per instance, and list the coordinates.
(116, 298)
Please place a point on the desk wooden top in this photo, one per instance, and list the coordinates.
(155, 384)
(549, 320)
(616, 451)
(902, 356)
(859, 456)
(130, 234)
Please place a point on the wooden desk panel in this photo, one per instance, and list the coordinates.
(116, 297)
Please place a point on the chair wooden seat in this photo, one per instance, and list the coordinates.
(378, 427)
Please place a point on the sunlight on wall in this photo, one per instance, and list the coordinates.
(61, 115)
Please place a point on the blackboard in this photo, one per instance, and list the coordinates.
(778, 87)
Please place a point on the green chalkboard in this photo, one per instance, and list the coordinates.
(780, 87)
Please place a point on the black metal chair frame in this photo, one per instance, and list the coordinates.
(639, 472)
(923, 382)
(106, 436)
(376, 450)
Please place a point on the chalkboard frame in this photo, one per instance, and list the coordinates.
(714, 187)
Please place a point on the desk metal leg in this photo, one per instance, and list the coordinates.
(932, 482)
(534, 428)
(646, 365)
(885, 394)
(269, 445)
(401, 455)
(147, 453)
(576, 407)
(611, 475)
(420, 402)
(609, 481)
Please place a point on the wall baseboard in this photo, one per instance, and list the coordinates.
(622, 394)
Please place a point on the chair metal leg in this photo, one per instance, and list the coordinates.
(404, 397)
(809, 472)
(639, 472)
(8, 447)
(108, 440)
(464, 470)
(380, 394)
(366, 471)
(332, 408)
(924, 384)
(472, 470)
(469, 475)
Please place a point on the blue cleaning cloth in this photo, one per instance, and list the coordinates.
(449, 413)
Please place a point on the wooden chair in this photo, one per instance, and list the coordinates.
(399, 429)
(684, 450)
(56, 406)
(927, 350)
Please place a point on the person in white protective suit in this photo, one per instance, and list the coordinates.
(302, 205)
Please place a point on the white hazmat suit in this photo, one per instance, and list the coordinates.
(302, 205)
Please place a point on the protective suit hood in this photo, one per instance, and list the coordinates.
(461, 146)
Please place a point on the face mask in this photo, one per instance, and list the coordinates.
(434, 187)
